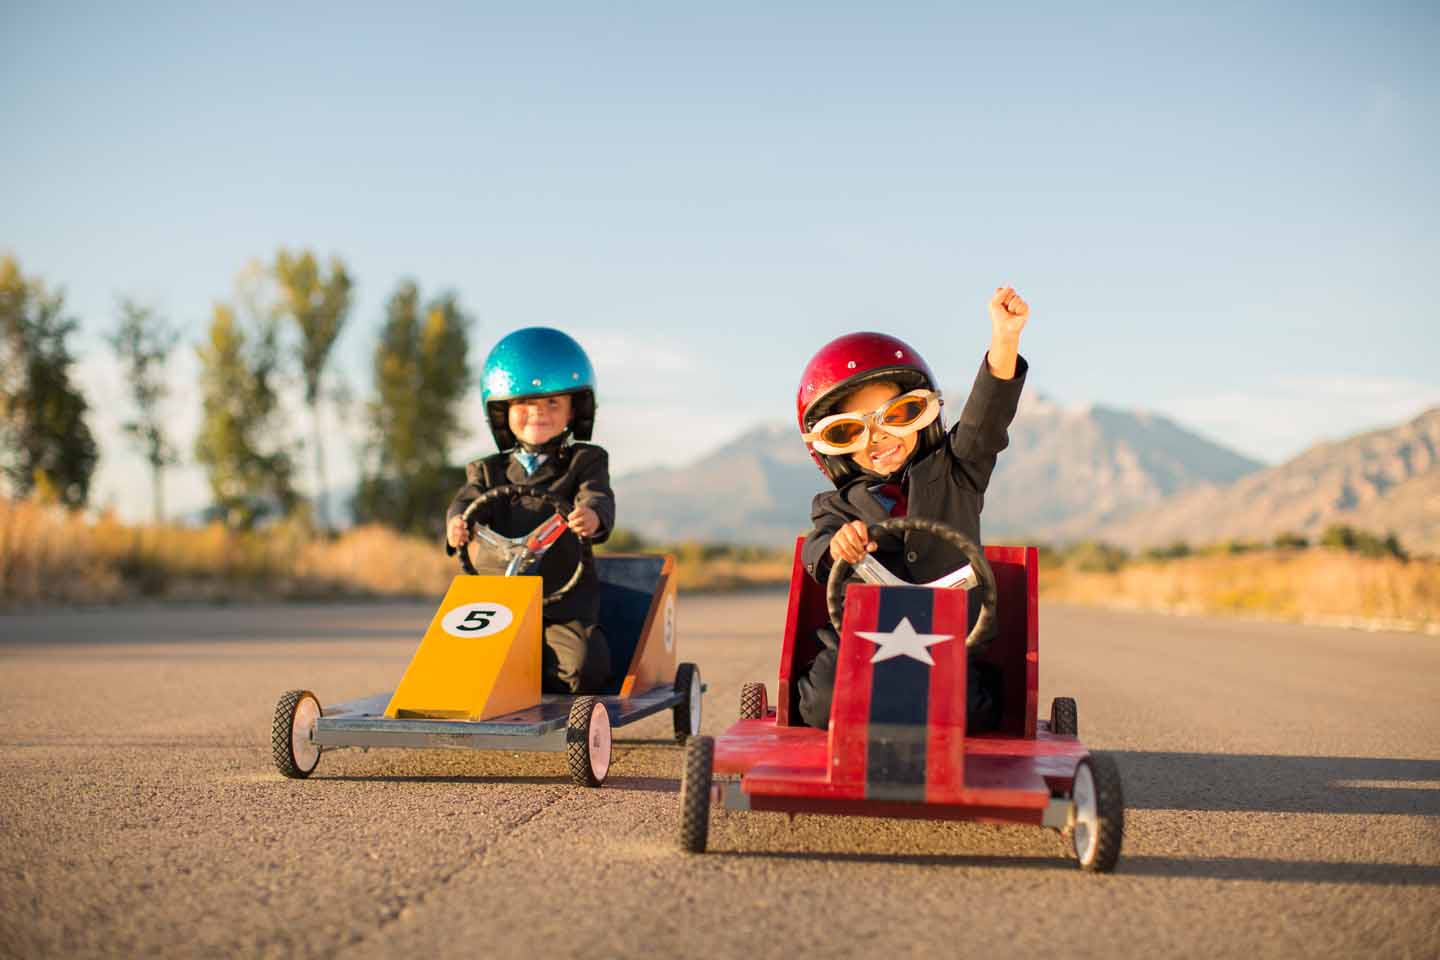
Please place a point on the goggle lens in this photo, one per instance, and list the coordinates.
(843, 433)
(904, 412)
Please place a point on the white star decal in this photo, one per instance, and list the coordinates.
(903, 641)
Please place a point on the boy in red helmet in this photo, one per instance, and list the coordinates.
(869, 411)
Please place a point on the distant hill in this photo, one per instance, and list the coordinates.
(756, 489)
(1066, 475)
(1069, 473)
(1383, 480)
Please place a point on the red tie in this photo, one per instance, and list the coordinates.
(897, 493)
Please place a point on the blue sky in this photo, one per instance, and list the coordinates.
(1226, 215)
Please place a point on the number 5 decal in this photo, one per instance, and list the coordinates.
(480, 619)
(476, 620)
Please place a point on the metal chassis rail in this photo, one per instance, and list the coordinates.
(541, 728)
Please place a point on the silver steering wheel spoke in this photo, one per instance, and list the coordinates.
(520, 553)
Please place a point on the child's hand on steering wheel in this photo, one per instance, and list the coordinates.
(457, 532)
(584, 521)
(851, 542)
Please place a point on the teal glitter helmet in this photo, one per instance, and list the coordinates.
(537, 362)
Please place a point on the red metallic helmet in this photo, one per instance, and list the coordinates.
(851, 361)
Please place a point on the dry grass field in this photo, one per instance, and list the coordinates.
(1307, 586)
(53, 556)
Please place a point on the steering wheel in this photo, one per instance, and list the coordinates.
(519, 552)
(984, 624)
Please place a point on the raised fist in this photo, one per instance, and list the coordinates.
(1008, 313)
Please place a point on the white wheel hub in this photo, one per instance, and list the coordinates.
(302, 729)
(697, 693)
(599, 742)
(1085, 825)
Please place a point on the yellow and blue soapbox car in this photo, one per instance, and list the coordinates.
(474, 682)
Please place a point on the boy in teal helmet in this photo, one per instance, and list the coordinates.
(539, 393)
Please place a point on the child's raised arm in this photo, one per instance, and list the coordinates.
(1008, 313)
(981, 433)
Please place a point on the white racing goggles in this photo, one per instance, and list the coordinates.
(900, 416)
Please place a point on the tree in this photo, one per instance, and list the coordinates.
(319, 305)
(45, 442)
(142, 343)
(249, 477)
(421, 375)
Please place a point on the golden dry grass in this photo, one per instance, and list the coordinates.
(725, 574)
(49, 555)
(1323, 586)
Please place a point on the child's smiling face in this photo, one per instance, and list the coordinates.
(884, 453)
(539, 420)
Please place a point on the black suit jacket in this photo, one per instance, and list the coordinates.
(946, 484)
(578, 473)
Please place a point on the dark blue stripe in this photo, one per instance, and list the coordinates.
(899, 704)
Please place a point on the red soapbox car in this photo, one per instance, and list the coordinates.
(897, 744)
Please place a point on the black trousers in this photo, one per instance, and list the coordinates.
(574, 658)
(817, 688)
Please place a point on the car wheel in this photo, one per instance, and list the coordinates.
(754, 704)
(1064, 716)
(291, 734)
(686, 713)
(695, 794)
(1097, 825)
(588, 741)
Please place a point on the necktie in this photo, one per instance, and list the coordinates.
(896, 492)
(529, 460)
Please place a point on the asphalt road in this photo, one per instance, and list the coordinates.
(1283, 796)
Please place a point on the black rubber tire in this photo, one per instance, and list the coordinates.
(685, 676)
(754, 704)
(577, 743)
(282, 748)
(695, 794)
(1110, 807)
(1064, 716)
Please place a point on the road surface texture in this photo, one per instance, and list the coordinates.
(1282, 787)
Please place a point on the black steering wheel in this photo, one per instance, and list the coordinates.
(520, 552)
(984, 624)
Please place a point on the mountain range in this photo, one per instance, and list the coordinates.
(1133, 478)
(1383, 480)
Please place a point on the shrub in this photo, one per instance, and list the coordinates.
(1344, 537)
(1093, 556)
(1174, 551)
(624, 541)
(1289, 540)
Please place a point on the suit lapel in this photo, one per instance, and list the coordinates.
(860, 498)
(546, 472)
